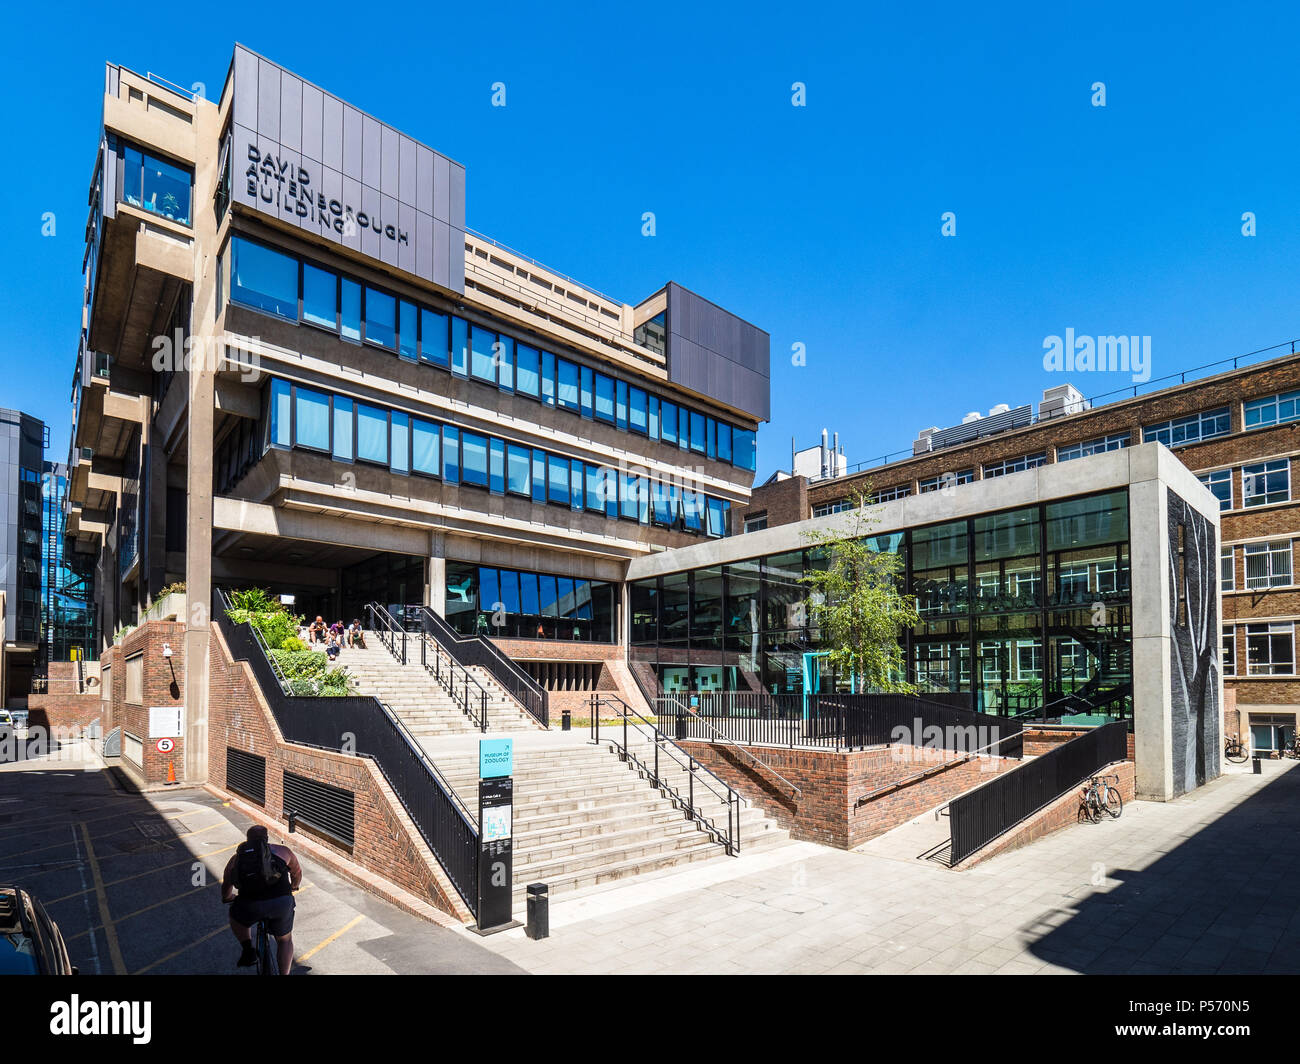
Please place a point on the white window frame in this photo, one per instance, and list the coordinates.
(1264, 470)
(1228, 651)
(1114, 442)
(1270, 631)
(1278, 565)
(1218, 476)
(1228, 580)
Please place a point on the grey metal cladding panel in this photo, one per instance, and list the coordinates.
(388, 217)
(422, 238)
(371, 172)
(352, 195)
(352, 145)
(313, 101)
(441, 188)
(456, 216)
(406, 172)
(425, 166)
(408, 222)
(456, 275)
(331, 184)
(245, 106)
(268, 100)
(332, 131)
(291, 112)
(372, 204)
(389, 150)
(442, 264)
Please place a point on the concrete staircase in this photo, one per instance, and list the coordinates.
(422, 703)
(584, 818)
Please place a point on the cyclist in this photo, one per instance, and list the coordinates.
(265, 876)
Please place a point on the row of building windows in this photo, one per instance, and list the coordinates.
(282, 285)
(1270, 649)
(1262, 483)
(156, 185)
(351, 430)
(1268, 565)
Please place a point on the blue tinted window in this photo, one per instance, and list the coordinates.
(155, 185)
(497, 466)
(433, 337)
(489, 590)
(408, 327)
(605, 398)
(281, 420)
(654, 418)
(528, 601)
(424, 447)
(459, 347)
(518, 478)
(724, 441)
(372, 434)
(264, 279)
(548, 378)
(506, 363)
(711, 439)
(320, 297)
(539, 476)
(473, 459)
(351, 310)
(596, 488)
(528, 373)
(620, 404)
(683, 427)
(312, 411)
(717, 517)
(668, 421)
(481, 364)
(586, 391)
(381, 318)
(343, 429)
(557, 488)
(697, 431)
(509, 590)
(637, 412)
(576, 496)
(450, 455)
(667, 503)
(744, 449)
(400, 452)
(693, 510)
(630, 495)
(547, 594)
(567, 384)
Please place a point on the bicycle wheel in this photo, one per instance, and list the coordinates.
(1236, 753)
(1089, 808)
(1112, 802)
(265, 952)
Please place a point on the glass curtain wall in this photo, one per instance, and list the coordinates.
(509, 603)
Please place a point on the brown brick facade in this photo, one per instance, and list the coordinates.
(847, 797)
(387, 843)
(163, 685)
(65, 706)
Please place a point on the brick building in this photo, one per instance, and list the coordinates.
(1235, 429)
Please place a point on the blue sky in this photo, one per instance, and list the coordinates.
(820, 224)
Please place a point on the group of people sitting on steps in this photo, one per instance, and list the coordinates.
(334, 637)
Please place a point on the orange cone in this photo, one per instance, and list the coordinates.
(171, 773)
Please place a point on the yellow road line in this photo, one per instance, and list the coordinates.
(176, 953)
(62, 819)
(341, 931)
(108, 835)
(148, 872)
(110, 933)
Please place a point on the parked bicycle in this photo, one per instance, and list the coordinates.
(1294, 749)
(1100, 796)
(1235, 751)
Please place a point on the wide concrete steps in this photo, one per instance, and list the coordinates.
(583, 817)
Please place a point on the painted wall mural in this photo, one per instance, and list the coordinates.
(1194, 646)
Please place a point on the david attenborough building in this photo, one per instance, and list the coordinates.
(300, 370)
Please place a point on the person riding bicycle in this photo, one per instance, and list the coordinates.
(265, 876)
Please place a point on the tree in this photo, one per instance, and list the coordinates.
(857, 601)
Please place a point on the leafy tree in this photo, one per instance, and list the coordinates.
(857, 601)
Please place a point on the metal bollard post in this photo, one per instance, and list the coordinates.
(539, 911)
(1256, 767)
(566, 720)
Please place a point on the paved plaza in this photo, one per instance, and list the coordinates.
(1204, 884)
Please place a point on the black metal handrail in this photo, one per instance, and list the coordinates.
(456, 680)
(478, 652)
(373, 731)
(842, 721)
(674, 702)
(719, 788)
(990, 811)
(390, 633)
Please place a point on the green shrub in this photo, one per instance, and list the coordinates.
(310, 673)
(293, 643)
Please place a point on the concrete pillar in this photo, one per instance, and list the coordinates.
(1149, 564)
(435, 585)
(198, 570)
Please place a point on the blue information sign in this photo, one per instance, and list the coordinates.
(495, 758)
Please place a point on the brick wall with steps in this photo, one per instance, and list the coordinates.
(583, 817)
(419, 699)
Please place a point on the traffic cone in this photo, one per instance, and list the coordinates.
(171, 773)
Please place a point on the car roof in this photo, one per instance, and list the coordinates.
(17, 947)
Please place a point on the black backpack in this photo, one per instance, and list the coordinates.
(257, 870)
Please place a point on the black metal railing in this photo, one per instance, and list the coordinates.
(390, 633)
(456, 680)
(641, 743)
(370, 729)
(838, 721)
(679, 709)
(478, 652)
(984, 814)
